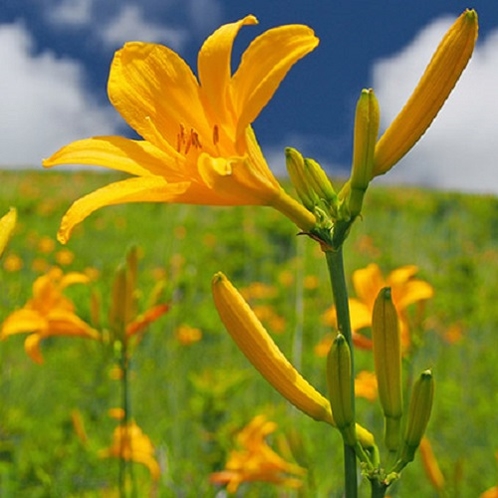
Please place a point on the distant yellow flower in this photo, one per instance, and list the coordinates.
(131, 444)
(64, 257)
(48, 313)
(12, 263)
(199, 146)
(46, 245)
(187, 335)
(367, 283)
(256, 461)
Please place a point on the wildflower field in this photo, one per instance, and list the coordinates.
(191, 391)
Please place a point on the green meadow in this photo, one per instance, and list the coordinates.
(192, 398)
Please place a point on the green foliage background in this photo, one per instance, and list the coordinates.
(191, 400)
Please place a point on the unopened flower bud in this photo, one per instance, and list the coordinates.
(367, 120)
(339, 386)
(387, 359)
(419, 413)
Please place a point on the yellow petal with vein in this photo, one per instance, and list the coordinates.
(130, 156)
(155, 92)
(437, 82)
(264, 65)
(214, 66)
(260, 349)
(144, 189)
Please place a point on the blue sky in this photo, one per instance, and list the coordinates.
(55, 56)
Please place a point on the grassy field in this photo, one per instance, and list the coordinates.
(191, 399)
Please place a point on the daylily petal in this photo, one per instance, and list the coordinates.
(68, 324)
(260, 349)
(73, 277)
(401, 275)
(367, 282)
(143, 321)
(264, 65)
(144, 189)
(214, 66)
(361, 314)
(32, 348)
(412, 292)
(219, 174)
(7, 225)
(437, 82)
(155, 92)
(130, 156)
(23, 321)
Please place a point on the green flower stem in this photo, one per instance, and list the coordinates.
(338, 280)
(378, 489)
(125, 466)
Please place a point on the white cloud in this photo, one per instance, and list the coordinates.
(460, 150)
(71, 12)
(43, 103)
(130, 24)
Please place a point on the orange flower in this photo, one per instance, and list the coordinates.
(199, 146)
(48, 313)
(131, 444)
(367, 283)
(255, 460)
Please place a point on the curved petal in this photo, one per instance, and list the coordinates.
(367, 283)
(156, 93)
(234, 179)
(361, 315)
(73, 277)
(23, 321)
(130, 156)
(143, 189)
(264, 65)
(412, 292)
(32, 348)
(401, 275)
(214, 65)
(69, 324)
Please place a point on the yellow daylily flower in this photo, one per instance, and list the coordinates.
(131, 444)
(256, 461)
(367, 283)
(437, 82)
(7, 225)
(198, 145)
(48, 313)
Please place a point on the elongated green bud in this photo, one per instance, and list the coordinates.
(367, 120)
(339, 386)
(319, 180)
(419, 413)
(296, 168)
(387, 359)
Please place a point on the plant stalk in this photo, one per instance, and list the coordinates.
(335, 265)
